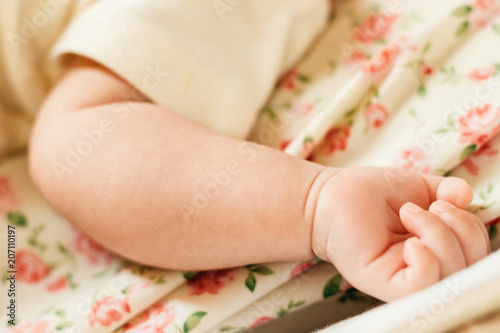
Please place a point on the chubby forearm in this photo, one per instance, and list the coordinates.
(163, 191)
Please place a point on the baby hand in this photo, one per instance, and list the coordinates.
(391, 232)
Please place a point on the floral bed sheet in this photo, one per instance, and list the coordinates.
(415, 85)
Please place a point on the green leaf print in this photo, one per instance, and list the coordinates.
(61, 313)
(485, 199)
(413, 113)
(63, 325)
(422, 91)
(72, 284)
(442, 131)
(426, 47)
(482, 196)
(353, 295)
(303, 78)
(492, 232)
(291, 305)
(332, 286)
(332, 64)
(17, 219)
(262, 270)
(450, 75)
(496, 29)
(35, 242)
(451, 121)
(462, 11)
(307, 139)
(270, 112)
(467, 151)
(462, 28)
(62, 249)
(350, 113)
(497, 69)
(160, 280)
(193, 321)
(299, 303)
(250, 281)
(189, 275)
(448, 173)
(232, 329)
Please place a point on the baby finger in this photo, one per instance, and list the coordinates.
(436, 236)
(468, 229)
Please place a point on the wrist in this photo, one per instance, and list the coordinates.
(318, 232)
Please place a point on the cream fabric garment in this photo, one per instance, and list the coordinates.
(213, 61)
(28, 30)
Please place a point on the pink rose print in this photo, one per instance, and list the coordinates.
(407, 43)
(9, 198)
(308, 147)
(427, 70)
(486, 4)
(482, 74)
(302, 267)
(374, 28)
(96, 254)
(30, 268)
(288, 80)
(153, 320)
(471, 167)
(356, 56)
(376, 115)
(336, 139)
(291, 78)
(108, 310)
(137, 287)
(300, 108)
(492, 6)
(486, 150)
(211, 281)
(57, 284)
(479, 125)
(493, 222)
(260, 321)
(285, 144)
(39, 326)
(470, 163)
(415, 160)
(483, 11)
(381, 64)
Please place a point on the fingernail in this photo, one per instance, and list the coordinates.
(440, 206)
(412, 208)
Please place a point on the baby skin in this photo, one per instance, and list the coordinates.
(389, 232)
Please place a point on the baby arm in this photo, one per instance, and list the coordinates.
(138, 191)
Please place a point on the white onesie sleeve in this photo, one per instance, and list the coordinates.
(213, 61)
